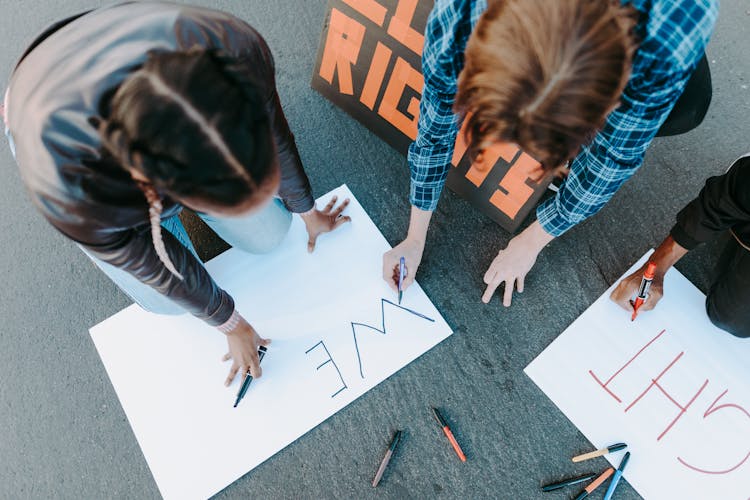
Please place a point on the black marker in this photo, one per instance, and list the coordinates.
(387, 458)
(568, 482)
(598, 453)
(248, 378)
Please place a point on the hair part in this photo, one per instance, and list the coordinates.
(544, 74)
(199, 122)
(198, 125)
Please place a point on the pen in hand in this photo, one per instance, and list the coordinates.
(248, 378)
(401, 276)
(648, 278)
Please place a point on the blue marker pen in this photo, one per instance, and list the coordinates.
(401, 276)
(616, 477)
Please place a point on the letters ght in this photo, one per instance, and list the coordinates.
(722, 465)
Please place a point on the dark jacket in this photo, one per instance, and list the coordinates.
(723, 204)
(56, 96)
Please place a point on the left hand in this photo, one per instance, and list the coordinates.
(513, 263)
(330, 218)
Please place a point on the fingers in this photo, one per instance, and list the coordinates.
(491, 287)
(254, 367)
(623, 303)
(265, 342)
(508, 295)
(226, 357)
(621, 295)
(394, 278)
(507, 292)
(390, 273)
(330, 204)
(653, 298)
(519, 284)
(311, 243)
(232, 373)
(340, 221)
(254, 370)
(489, 276)
(340, 209)
(406, 283)
(408, 279)
(491, 280)
(647, 306)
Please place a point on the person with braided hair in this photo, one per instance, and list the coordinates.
(121, 116)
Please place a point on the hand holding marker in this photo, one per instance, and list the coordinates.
(648, 278)
(401, 276)
(248, 378)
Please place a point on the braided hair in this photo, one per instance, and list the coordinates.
(195, 125)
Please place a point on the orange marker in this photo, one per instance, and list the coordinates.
(648, 277)
(449, 434)
(595, 484)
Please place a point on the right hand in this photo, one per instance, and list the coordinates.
(411, 250)
(243, 344)
(628, 288)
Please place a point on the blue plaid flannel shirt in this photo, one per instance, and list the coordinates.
(674, 36)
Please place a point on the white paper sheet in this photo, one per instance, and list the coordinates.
(701, 453)
(168, 375)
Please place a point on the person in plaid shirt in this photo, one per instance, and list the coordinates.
(582, 83)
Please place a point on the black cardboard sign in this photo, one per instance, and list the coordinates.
(369, 64)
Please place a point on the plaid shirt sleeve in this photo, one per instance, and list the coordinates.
(448, 27)
(677, 33)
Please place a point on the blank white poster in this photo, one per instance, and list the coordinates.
(671, 385)
(336, 332)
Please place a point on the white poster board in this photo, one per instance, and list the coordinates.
(671, 385)
(337, 332)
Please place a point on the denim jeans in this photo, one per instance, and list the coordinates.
(257, 233)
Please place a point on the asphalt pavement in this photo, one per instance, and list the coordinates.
(63, 433)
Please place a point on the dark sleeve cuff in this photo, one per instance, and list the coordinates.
(224, 311)
(682, 238)
(301, 205)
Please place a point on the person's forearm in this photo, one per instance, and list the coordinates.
(667, 254)
(537, 236)
(419, 221)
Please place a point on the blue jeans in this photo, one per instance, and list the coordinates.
(257, 233)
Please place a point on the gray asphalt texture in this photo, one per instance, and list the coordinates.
(63, 433)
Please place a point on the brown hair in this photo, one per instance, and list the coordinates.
(544, 74)
(195, 125)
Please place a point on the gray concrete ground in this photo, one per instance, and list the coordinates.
(63, 433)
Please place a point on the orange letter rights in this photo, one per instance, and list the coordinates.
(342, 50)
(514, 192)
(400, 26)
(403, 75)
(375, 75)
(371, 9)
